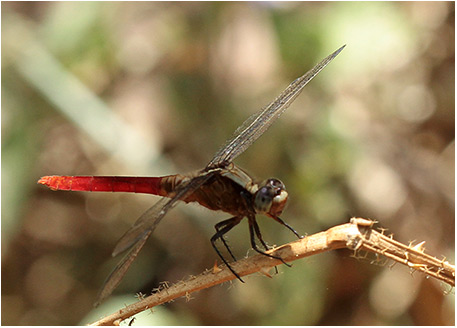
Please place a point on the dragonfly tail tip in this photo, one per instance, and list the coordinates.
(45, 180)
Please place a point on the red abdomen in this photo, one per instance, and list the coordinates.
(147, 185)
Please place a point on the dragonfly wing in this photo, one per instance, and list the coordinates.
(144, 225)
(137, 236)
(120, 270)
(149, 220)
(258, 123)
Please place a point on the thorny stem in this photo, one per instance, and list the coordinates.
(358, 235)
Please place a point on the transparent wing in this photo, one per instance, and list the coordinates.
(136, 237)
(146, 223)
(120, 270)
(258, 123)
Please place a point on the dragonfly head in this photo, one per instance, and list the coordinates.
(270, 198)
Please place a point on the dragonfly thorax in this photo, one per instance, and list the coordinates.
(270, 198)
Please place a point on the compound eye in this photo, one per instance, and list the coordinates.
(263, 199)
(276, 184)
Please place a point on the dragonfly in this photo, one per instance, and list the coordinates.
(221, 185)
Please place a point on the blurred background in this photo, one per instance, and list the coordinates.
(139, 88)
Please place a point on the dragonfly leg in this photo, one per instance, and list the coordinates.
(287, 226)
(254, 228)
(259, 236)
(221, 229)
(222, 225)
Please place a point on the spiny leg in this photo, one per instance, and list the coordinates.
(253, 227)
(287, 226)
(222, 225)
(222, 228)
(259, 236)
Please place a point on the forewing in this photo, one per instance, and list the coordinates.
(258, 123)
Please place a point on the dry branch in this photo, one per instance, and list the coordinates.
(357, 235)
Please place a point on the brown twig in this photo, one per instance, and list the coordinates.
(357, 235)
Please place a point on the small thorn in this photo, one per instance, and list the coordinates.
(216, 268)
(266, 272)
(419, 247)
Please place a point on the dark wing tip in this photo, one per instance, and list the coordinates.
(333, 55)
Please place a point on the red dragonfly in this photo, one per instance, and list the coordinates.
(221, 185)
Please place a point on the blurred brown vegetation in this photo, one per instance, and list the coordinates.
(104, 88)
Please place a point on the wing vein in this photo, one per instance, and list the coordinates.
(258, 123)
